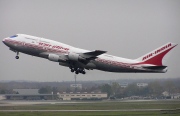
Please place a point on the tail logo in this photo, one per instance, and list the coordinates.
(157, 51)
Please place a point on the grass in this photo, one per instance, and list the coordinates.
(113, 105)
(85, 114)
(108, 105)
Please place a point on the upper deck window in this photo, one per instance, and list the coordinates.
(13, 36)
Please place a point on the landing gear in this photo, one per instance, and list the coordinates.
(17, 55)
(72, 70)
(83, 72)
(77, 70)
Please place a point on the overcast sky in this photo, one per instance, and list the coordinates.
(125, 28)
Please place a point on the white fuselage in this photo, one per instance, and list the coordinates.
(49, 49)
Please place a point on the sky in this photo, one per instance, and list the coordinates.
(124, 28)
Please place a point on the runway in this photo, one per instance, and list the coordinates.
(55, 102)
(18, 103)
(123, 110)
(90, 106)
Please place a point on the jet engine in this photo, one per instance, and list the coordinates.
(53, 57)
(75, 57)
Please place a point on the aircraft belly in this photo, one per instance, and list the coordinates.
(112, 68)
(64, 64)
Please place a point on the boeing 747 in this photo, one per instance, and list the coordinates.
(79, 60)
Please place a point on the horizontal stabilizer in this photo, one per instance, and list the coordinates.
(155, 67)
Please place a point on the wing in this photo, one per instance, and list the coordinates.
(74, 58)
(92, 55)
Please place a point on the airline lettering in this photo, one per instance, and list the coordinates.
(157, 51)
(44, 44)
(40, 46)
(53, 47)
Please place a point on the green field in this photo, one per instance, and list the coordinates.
(86, 114)
(169, 108)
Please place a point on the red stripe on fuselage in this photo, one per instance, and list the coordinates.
(47, 49)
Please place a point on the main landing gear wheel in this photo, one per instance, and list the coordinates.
(83, 72)
(77, 70)
(72, 70)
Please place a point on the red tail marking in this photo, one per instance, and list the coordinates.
(156, 60)
(156, 52)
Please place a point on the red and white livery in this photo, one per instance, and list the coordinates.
(79, 59)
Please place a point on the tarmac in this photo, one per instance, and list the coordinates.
(45, 102)
(124, 110)
(41, 102)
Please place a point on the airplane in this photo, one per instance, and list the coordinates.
(79, 60)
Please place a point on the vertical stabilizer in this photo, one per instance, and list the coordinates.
(155, 57)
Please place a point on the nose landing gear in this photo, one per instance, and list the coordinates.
(17, 55)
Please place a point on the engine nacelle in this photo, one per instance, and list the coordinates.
(75, 57)
(53, 57)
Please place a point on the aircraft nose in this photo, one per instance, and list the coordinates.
(4, 40)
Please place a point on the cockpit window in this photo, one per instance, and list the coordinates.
(13, 36)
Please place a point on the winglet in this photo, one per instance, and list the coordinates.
(155, 57)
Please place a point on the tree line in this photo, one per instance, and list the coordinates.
(154, 88)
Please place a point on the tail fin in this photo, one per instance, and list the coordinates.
(155, 57)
